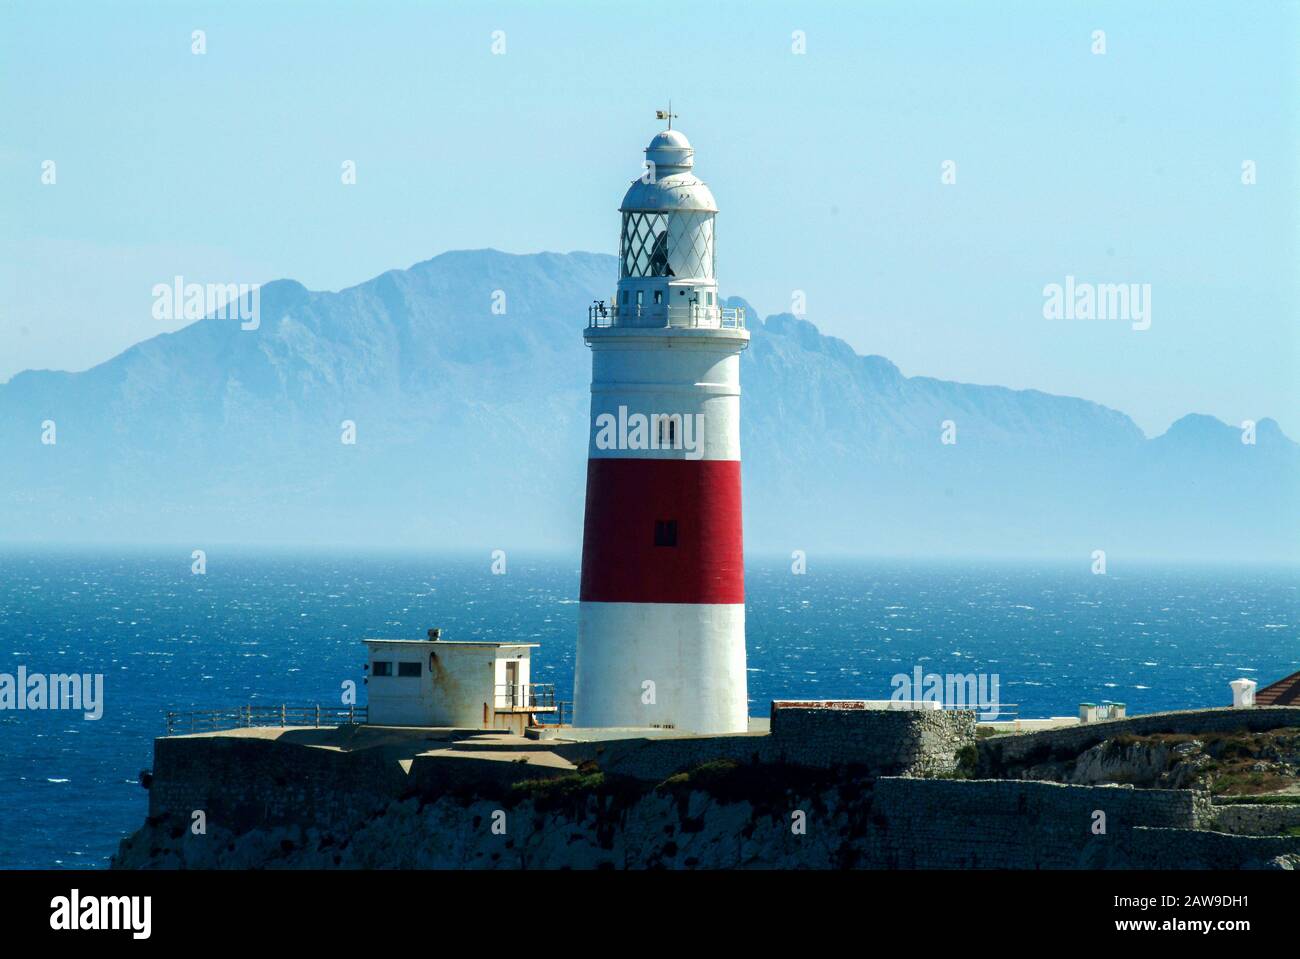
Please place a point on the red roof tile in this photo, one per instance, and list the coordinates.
(1284, 692)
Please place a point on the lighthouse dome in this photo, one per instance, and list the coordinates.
(668, 183)
(670, 152)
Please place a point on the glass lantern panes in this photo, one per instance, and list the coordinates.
(676, 244)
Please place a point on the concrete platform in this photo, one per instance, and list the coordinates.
(403, 741)
(758, 725)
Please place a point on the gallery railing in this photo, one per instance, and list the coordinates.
(180, 723)
(692, 316)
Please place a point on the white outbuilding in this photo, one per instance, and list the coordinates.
(461, 684)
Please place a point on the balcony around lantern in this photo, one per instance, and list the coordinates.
(691, 317)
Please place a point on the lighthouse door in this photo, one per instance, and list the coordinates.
(512, 683)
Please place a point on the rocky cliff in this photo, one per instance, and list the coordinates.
(798, 799)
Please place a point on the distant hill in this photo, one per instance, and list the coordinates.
(471, 432)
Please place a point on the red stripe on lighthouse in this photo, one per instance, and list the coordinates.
(627, 497)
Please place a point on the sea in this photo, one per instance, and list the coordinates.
(283, 626)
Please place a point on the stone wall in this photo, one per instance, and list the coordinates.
(886, 741)
(242, 781)
(876, 741)
(1015, 824)
(850, 775)
(1260, 819)
(1000, 753)
(743, 822)
(1145, 848)
(654, 760)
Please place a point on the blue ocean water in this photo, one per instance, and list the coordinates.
(264, 627)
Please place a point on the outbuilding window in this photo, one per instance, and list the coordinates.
(409, 669)
(381, 668)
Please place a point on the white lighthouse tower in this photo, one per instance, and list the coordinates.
(661, 625)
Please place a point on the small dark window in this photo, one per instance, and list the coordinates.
(382, 669)
(665, 532)
(409, 669)
(659, 296)
(668, 432)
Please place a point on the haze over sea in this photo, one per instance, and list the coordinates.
(272, 627)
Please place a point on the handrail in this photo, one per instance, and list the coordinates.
(694, 316)
(1006, 712)
(538, 696)
(563, 715)
(181, 722)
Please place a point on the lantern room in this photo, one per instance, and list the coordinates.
(666, 245)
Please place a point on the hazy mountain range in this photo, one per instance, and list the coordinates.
(471, 433)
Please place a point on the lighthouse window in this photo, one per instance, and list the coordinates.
(382, 668)
(659, 256)
(710, 299)
(659, 296)
(668, 432)
(409, 669)
(643, 247)
(665, 532)
(659, 244)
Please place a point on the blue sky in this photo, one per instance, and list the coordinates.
(1115, 168)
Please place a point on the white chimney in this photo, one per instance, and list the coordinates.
(1243, 693)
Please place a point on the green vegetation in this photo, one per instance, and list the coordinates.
(559, 787)
(709, 774)
(768, 787)
(572, 790)
(1243, 783)
(1116, 746)
(1275, 799)
(968, 758)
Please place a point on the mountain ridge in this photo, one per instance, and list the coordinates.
(471, 428)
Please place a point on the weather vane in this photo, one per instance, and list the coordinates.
(666, 114)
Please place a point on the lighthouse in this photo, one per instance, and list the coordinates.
(661, 620)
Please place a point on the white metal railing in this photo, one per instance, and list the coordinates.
(241, 717)
(539, 697)
(693, 316)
